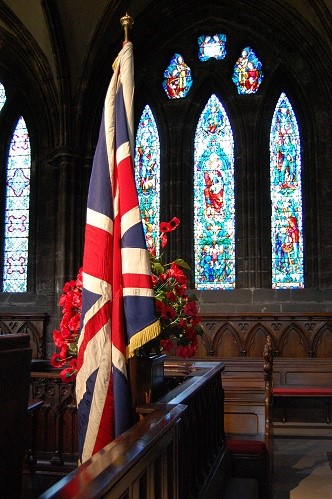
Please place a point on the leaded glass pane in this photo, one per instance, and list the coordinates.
(17, 211)
(248, 74)
(286, 198)
(214, 216)
(2, 96)
(211, 46)
(147, 176)
(177, 78)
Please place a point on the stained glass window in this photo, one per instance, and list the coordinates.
(214, 217)
(177, 78)
(17, 211)
(286, 198)
(147, 176)
(2, 96)
(211, 46)
(248, 72)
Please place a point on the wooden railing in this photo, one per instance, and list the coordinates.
(141, 463)
(176, 450)
(202, 438)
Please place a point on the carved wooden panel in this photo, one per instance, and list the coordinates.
(295, 336)
(56, 420)
(34, 325)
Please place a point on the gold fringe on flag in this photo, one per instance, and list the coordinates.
(139, 339)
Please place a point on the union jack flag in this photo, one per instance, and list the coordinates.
(118, 313)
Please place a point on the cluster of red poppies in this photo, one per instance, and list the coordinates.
(180, 323)
(65, 339)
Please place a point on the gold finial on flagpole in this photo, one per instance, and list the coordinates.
(126, 22)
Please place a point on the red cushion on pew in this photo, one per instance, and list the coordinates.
(252, 447)
(302, 391)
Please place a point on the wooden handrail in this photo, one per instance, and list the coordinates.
(120, 465)
(174, 451)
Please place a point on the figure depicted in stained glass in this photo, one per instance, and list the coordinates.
(286, 198)
(214, 221)
(147, 175)
(248, 73)
(211, 46)
(214, 186)
(177, 78)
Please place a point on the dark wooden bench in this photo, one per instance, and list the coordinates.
(246, 399)
(307, 378)
(246, 383)
(15, 365)
(32, 324)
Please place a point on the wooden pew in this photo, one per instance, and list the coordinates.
(32, 324)
(247, 405)
(247, 400)
(307, 380)
(15, 365)
(247, 416)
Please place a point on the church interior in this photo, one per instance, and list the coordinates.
(254, 218)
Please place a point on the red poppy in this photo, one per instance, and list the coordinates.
(167, 345)
(56, 360)
(163, 277)
(69, 286)
(174, 223)
(182, 323)
(65, 331)
(177, 274)
(169, 226)
(159, 306)
(155, 279)
(195, 320)
(167, 312)
(63, 352)
(73, 363)
(58, 338)
(163, 239)
(186, 350)
(191, 309)
(79, 281)
(171, 296)
(74, 323)
(190, 333)
(67, 375)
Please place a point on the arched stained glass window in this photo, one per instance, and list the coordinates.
(248, 73)
(286, 198)
(211, 46)
(147, 175)
(17, 211)
(2, 96)
(214, 217)
(177, 78)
